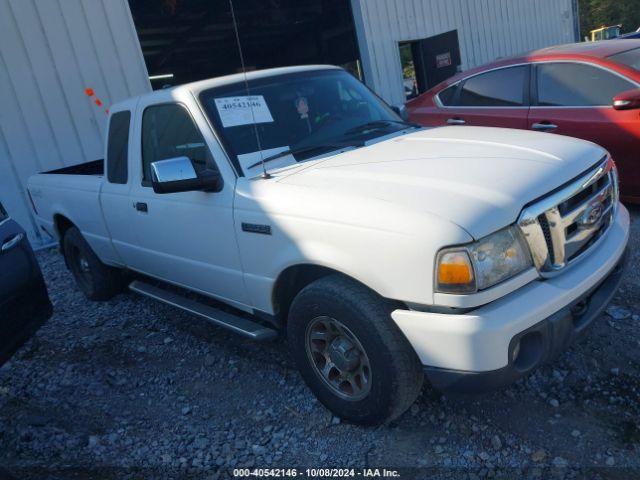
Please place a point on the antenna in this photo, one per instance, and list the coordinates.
(265, 174)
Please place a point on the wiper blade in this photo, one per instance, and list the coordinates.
(298, 151)
(380, 124)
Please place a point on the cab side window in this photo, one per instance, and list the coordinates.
(168, 131)
(118, 147)
(498, 88)
(577, 85)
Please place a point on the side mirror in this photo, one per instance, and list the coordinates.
(627, 100)
(178, 175)
(401, 110)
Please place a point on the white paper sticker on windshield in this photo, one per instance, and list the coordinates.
(245, 110)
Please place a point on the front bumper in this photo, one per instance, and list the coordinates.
(537, 344)
(475, 351)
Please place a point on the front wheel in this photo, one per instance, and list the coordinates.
(350, 353)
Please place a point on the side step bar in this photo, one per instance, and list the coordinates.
(235, 323)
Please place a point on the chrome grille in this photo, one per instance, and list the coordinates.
(563, 226)
(546, 231)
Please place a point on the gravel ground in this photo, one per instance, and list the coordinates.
(135, 389)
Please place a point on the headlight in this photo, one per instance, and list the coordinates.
(482, 264)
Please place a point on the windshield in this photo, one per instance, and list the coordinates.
(630, 58)
(293, 112)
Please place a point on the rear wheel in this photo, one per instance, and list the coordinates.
(350, 353)
(96, 280)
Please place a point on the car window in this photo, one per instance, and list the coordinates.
(447, 95)
(118, 147)
(168, 131)
(630, 58)
(3, 213)
(498, 88)
(577, 84)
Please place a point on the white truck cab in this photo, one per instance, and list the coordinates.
(381, 249)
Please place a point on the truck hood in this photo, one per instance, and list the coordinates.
(479, 178)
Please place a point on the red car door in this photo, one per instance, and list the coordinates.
(576, 99)
(497, 98)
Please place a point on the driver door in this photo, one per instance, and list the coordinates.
(185, 238)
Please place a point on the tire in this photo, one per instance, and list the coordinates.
(95, 279)
(381, 384)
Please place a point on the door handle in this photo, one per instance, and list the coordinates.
(544, 127)
(141, 207)
(12, 242)
(455, 121)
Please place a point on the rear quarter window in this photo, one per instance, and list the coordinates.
(447, 96)
(3, 213)
(118, 147)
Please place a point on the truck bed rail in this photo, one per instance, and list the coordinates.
(94, 167)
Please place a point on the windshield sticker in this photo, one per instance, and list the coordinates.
(248, 159)
(245, 110)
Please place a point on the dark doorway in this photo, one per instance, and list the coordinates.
(429, 61)
(188, 40)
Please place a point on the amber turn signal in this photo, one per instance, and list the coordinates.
(455, 272)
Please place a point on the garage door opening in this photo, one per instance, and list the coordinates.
(184, 41)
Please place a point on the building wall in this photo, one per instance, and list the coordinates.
(50, 52)
(487, 29)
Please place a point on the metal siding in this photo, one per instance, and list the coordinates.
(50, 51)
(487, 29)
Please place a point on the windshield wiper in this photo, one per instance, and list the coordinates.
(380, 124)
(302, 150)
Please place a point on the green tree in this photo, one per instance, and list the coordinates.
(598, 13)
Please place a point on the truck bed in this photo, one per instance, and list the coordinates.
(73, 193)
(94, 167)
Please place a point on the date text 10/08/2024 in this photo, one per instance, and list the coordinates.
(316, 472)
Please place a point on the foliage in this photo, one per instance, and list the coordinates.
(599, 13)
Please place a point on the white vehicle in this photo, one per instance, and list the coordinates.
(383, 250)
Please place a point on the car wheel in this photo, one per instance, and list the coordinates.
(96, 280)
(350, 353)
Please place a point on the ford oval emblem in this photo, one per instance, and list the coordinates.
(592, 215)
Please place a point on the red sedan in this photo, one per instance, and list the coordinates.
(585, 90)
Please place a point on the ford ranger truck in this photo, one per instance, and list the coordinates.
(294, 200)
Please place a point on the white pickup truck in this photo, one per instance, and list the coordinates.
(295, 200)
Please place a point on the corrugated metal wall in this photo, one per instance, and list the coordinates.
(50, 51)
(487, 29)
